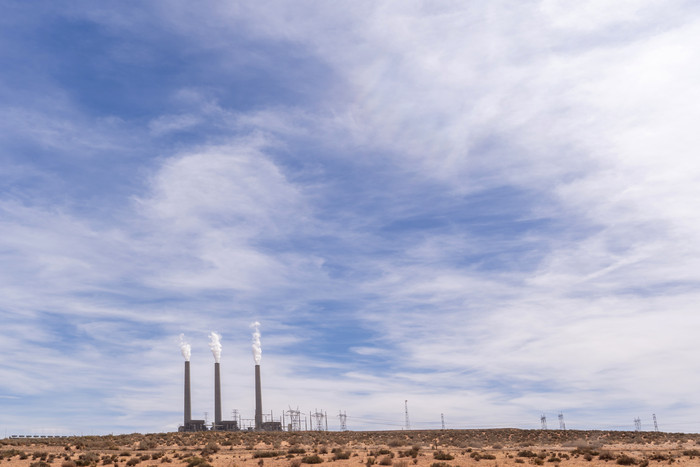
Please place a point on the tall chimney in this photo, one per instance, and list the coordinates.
(188, 401)
(258, 399)
(217, 396)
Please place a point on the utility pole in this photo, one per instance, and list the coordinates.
(656, 425)
(637, 424)
(408, 424)
(543, 421)
(562, 425)
(442, 417)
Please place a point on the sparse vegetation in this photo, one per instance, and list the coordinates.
(339, 454)
(262, 454)
(443, 456)
(353, 449)
(197, 462)
(625, 460)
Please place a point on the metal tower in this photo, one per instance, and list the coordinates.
(408, 423)
(656, 425)
(442, 417)
(637, 424)
(343, 421)
(294, 419)
(318, 418)
(543, 421)
(562, 425)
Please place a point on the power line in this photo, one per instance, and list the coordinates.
(543, 421)
(562, 425)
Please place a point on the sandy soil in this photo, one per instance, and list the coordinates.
(448, 448)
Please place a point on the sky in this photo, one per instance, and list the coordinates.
(486, 209)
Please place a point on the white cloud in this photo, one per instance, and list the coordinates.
(589, 111)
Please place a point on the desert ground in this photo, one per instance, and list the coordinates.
(433, 448)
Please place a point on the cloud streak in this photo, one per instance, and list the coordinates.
(486, 209)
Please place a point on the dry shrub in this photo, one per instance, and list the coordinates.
(626, 460)
(340, 454)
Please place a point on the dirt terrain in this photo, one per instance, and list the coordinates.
(435, 448)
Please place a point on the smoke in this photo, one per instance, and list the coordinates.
(185, 348)
(215, 346)
(257, 349)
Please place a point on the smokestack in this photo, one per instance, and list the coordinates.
(217, 396)
(188, 401)
(258, 399)
(215, 346)
(257, 355)
(186, 353)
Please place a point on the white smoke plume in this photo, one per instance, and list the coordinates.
(215, 346)
(257, 349)
(185, 348)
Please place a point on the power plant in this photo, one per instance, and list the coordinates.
(218, 424)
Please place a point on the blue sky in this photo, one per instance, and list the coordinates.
(486, 209)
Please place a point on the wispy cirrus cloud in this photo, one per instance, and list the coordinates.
(486, 209)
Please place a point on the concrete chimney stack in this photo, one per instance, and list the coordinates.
(217, 396)
(258, 399)
(188, 401)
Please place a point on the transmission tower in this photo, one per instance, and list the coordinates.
(562, 425)
(637, 424)
(656, 425)
(442, 417)
(543, 421)
(343, 421)
(408, 423)
(294, 419)
(318, 418)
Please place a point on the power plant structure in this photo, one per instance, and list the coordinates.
(218, 424)
(261, 425)
(258, 399)
(190, 425)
